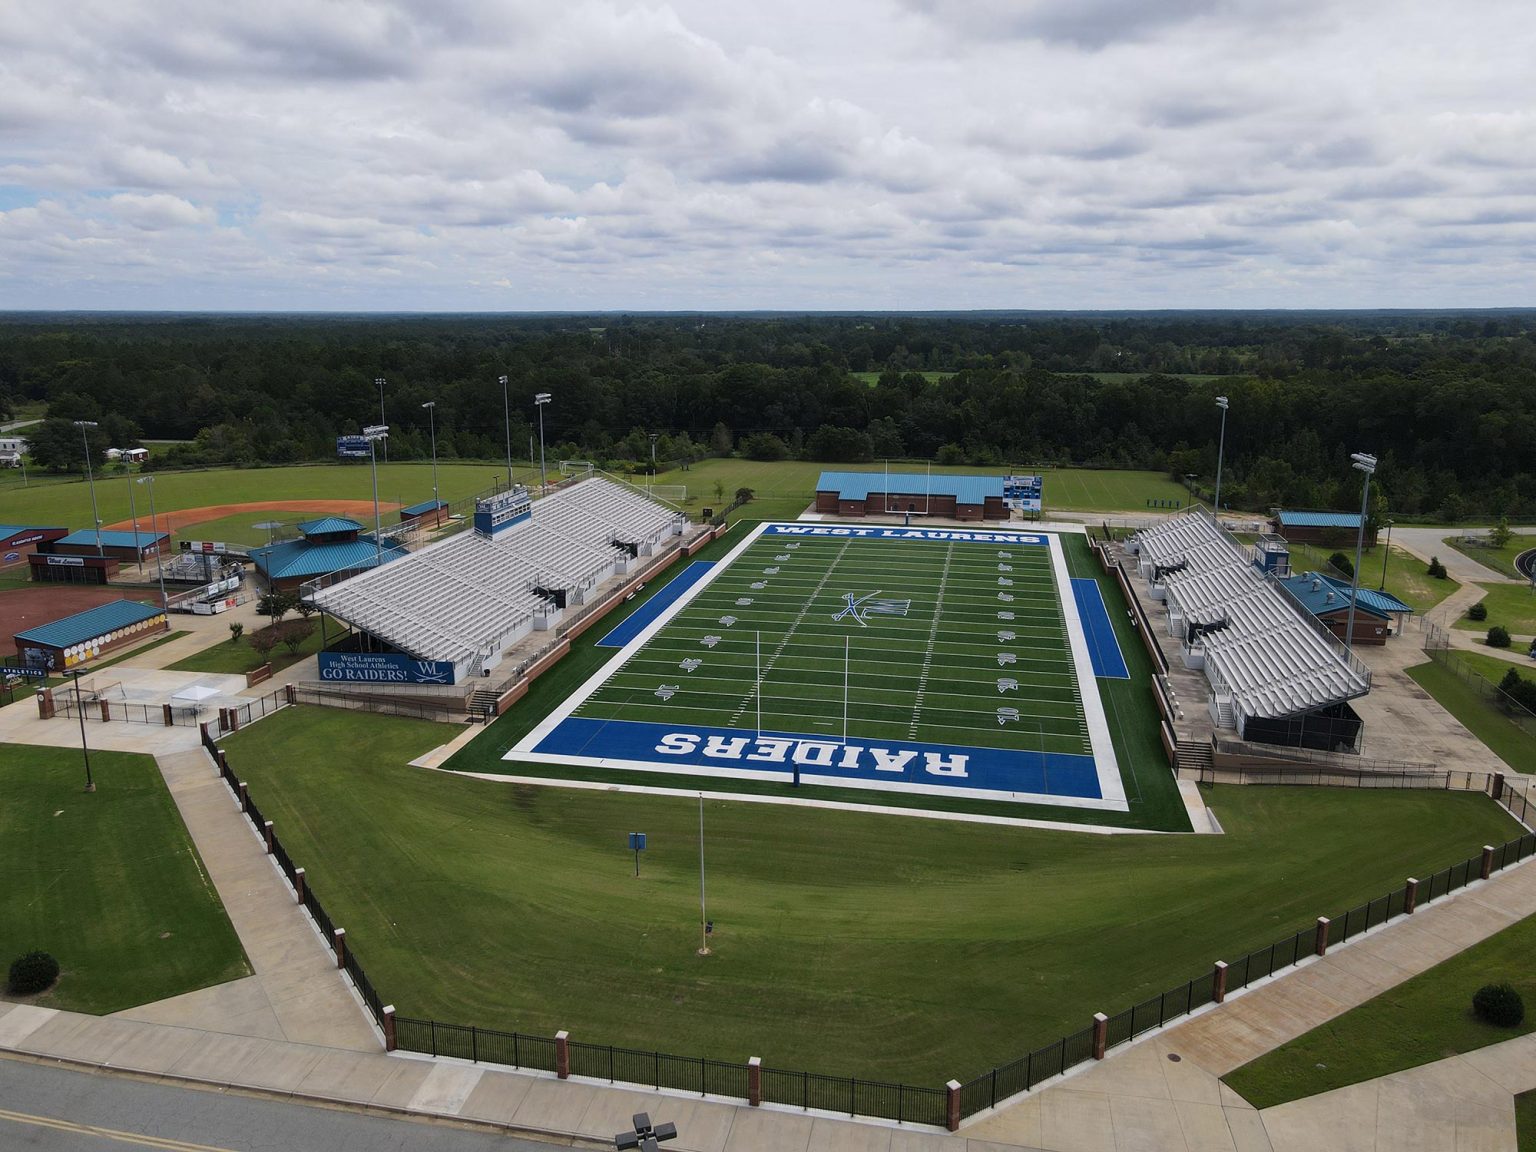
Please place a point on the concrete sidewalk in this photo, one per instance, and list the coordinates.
(296, 992)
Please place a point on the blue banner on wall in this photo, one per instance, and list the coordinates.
(383, 668)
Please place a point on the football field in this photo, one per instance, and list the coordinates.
(939, 661)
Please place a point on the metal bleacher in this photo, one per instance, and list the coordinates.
(467, 598)
(1262, 653)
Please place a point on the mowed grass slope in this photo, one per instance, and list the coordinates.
(110, 882)
(845, 943)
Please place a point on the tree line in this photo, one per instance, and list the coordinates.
(1447, 401)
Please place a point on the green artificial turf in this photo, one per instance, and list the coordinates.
(845, 943)
(1424, 1019)
(1478, 714)
(109, 882)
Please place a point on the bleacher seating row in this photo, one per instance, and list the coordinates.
(1262, 653)
(466, 599)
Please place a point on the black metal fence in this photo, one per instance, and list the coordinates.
(447, 708)
(850, 1095)
(1437, 649)
(312, 903)
(182, 715)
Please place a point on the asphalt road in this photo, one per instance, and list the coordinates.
(50, 1109)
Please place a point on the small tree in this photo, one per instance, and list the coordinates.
(1501, 534)
(1498, 636)
(1478, 611)
(719, 491)
(236, 630)
(1436, 569)
(1342, 563)
(263, 640)
(295, 632)
(304, 607)
(744, 495)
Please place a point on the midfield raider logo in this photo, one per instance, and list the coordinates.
(870, 603)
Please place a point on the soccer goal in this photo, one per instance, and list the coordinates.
(676, 493)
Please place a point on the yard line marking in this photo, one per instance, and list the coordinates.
(933, 632)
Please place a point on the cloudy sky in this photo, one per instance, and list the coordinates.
(507, 155)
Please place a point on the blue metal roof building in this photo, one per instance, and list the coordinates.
(294, 561)
(329, 526)
(1302, 519)
(85, 635)
(1327, 598)
(858, 485)
(144, 541)
(422, 509)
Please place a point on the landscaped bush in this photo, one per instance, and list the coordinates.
(1498, 636)
(1342, 563)
(1499, 1004)
(1436, 569)
(1478, 611)
(33, 973)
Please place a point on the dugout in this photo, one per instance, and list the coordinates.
(18, 539)
(74, 640)
(427, 510)
(124, 547)
(911, 493)
(46, 568)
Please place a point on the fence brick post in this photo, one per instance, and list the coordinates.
(223, 719)
(1219, 983)
(1410, 896)
(291, 693)
(340, 943)
(1100, 1034)
(203, 728)
(298, 884)
(563, 1054)
(245, 797)
(45, 705)
(1321, 945)
(1487, 861)
(1498, 785)
(165, 714)
(106, 711)
(266, 832)
(234, 719)
(755, 1081)
(388, 1012)
(952, 1105)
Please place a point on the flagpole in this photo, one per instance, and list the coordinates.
(703, 921)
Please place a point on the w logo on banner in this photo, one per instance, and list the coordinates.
(431, 672)
(859, 607)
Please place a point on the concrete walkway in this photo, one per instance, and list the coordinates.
(296, 993)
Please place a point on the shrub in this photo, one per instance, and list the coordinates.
(1436, 569)
(1478, 611)
(1342, 563)
(33, 973)
(236, 630)
(1498, 636)
(1499, 1005)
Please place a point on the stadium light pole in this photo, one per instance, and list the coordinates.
(1366, 464)
(506, 411)
(1221, 450)
(165, 605)
(437, 508)
(85, 749)
(379, 380)
(539, 401)
(90, 478)
(373, 434)
(1385, 554)
(133, 514)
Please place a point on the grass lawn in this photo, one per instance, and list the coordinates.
(845, 943)
(873, 378)
(1512, 605)
(109, 883)
(239, 529)
(67, 501)
(1525, 1121)
(1504, 738)
(1422, 1020)
(1499, 559)
(240, 658)
(1406, 577)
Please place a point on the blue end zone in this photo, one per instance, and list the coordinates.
(871, 763)
(637, 621)
(1103, 647)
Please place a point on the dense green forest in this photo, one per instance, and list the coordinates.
(1446, 400)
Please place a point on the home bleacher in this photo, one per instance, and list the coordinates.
(1276, 675)
(469, 598)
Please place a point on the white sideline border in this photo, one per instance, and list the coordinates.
(1106, 765)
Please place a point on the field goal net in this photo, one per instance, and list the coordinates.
(676, 493)
(578, 468)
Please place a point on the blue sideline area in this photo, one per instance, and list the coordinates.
(637, 621)
(1103, 647)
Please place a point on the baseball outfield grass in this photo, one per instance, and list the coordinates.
(845, 943)
(109, 883)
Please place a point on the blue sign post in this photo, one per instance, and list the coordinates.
(637, 846)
